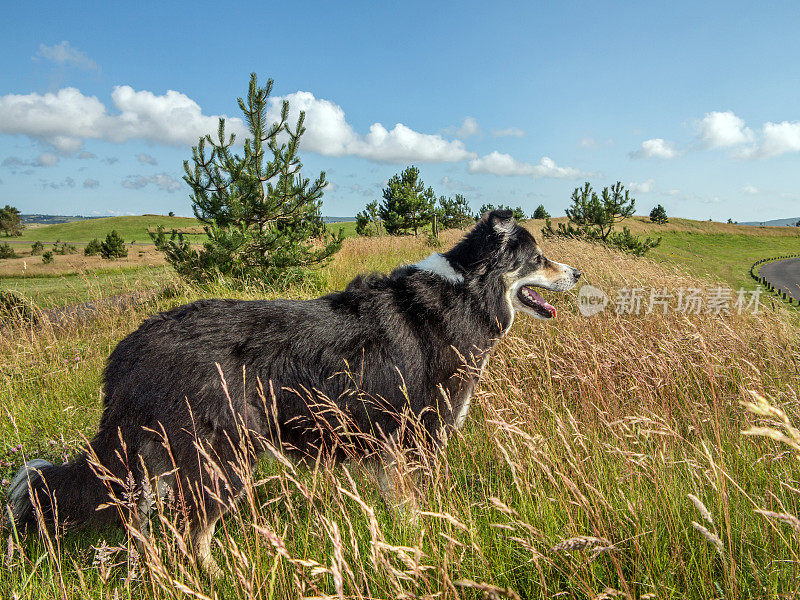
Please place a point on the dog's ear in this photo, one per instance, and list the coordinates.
(502, 221)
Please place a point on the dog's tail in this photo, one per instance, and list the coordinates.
(68, 495)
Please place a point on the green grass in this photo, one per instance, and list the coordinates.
(74, 288)
(723, 256)
(130, 228)
(585, 427)
(348, 228)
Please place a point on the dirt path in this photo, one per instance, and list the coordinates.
(784, 275)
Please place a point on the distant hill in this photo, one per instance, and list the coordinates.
(52, 219)
(56, 219)
(775, 222)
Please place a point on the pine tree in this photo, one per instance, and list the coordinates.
(368, 222)
(593, 217)
(599, 214)
(541, 212)
(261, 216)
(407, 205)
(659, 215)
(517, 211)
(11, 221)
(113, 246)
(454, 213)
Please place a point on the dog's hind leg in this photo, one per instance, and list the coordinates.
(201, 534)
(398, 485)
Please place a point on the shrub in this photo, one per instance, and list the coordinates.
(64, 248)
(659, 215)
(11, 221)
(37, 248)
(47, 257)
(93, 248)
(113, 246)
(6, 251)
(368, 222)
(517, 211)
(261, 216)
(541, 212)
(454, 213)
(593, 217)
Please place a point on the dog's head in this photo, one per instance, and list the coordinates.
(499, 245)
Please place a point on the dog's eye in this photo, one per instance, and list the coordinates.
(537, 260)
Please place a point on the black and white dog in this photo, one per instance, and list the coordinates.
(334, 376)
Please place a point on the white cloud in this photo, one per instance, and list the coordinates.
(66, 118)
(61, 119)
(455, 184)
(776, 139)
(751, 190)
(329, 133)
(642, 188)
(504, 164)
(655, 148)
(723, 130)
(45, 159)
(508, 132)
(91, 183)
(162, 181)
(468, 127)
(64, 54)
(171, 119)
(146, 159)
(83, 154)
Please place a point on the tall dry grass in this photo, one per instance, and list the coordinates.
(603, 457)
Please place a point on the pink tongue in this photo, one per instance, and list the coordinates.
(546, 305)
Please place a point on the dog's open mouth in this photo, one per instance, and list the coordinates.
(529, 297)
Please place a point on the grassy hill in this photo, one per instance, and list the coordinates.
(130, 228)
(707, 248)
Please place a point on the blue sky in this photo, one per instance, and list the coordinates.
(693, 105)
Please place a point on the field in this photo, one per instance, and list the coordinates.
(709, 249)
(703, 248)
(130, 228)
(604, 457)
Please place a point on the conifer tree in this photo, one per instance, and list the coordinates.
(407, 205)
(593, 217)
(11, 221)
(516, 212)
(600, 213)
(541, 212)
(454, 213)
(261, 216)
(659, 215)
(368, 222)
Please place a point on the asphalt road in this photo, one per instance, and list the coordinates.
(784, 275)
